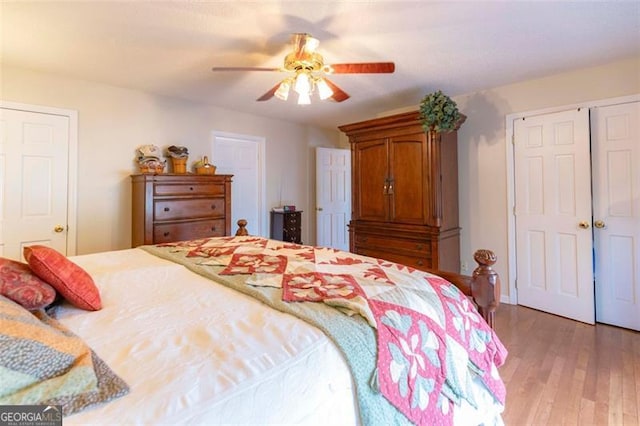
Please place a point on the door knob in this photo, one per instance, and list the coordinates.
(584, 224)
(599, 224)
(58, 228)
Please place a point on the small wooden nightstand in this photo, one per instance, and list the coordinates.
(286, 226)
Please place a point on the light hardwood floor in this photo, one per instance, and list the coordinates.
(562, 372)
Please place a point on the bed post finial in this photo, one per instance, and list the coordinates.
(486, 285)
(242, 228)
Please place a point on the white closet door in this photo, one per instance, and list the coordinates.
(553, 214)
(34, 150)
(616, 213)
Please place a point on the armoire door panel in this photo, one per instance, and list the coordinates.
(370, 181)
(408, 174)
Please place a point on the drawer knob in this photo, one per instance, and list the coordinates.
(166, 234)
(166, 209)
(191, 188)
(419, 246)
(420, 262)
(213, 228)
(213, 206)
(364, 239)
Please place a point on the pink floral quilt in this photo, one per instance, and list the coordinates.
(431, 341)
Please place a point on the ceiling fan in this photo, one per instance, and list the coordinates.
(308, 72)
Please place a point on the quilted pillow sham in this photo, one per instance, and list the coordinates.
(41, 362)
(69, 279)
(20, 284)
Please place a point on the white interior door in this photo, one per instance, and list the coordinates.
(243, 157)
(616, 213)
(34, 152)
(333, 197)
(553, 214)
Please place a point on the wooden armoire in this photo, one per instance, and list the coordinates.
(404, 192)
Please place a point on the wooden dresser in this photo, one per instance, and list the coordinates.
(404, 192)
(287, 226)
(176, 207)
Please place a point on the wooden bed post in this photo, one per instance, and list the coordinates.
(485, 285)
(242, 228)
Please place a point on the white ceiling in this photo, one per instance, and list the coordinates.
(169, 47)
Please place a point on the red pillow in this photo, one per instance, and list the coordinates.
(71, 281)
(19, 284)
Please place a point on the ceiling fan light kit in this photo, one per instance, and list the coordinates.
(304, 84)
(306, 63)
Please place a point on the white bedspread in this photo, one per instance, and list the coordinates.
(212, 357)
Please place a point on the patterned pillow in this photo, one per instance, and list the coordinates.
(19, 284)
(70, 280)
(41, 362)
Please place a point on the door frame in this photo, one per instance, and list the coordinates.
(72, 177)
(512, 298)
(260, 141)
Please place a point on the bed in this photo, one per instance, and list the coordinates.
(198, 332)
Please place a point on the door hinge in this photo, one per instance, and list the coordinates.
(516, 283)
(513, 138)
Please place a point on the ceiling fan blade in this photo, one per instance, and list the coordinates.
(362, 68)
(339, 95)
(269, 94)
(244, 69)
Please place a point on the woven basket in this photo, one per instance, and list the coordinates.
(149, 169)
(179, 165)
(206, 168)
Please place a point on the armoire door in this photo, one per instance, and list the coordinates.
(370, 182)
(553, 214)
(615, 138)
(407, 179)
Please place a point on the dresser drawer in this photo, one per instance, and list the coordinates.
(417, 262)
(169, 232)
(292, 220)
(211, 189)
(419, 248)
(187, 209)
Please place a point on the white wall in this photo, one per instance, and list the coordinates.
(482, 145)
(114, 121)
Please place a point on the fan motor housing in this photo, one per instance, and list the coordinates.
(303, 60)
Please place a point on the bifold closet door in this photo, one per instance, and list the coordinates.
(615, 138)
(553, 214)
